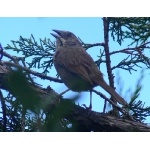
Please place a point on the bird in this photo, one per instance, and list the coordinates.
(76, 67)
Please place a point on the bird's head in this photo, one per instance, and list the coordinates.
(65, 39)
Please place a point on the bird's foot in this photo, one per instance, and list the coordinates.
(89, 108)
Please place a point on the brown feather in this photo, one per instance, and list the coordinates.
(77, 68)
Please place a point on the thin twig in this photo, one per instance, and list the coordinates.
(104, 108)
(64, 92)
(13, 58)
(42, 76)
(127, 50)
(87, 46)
(115, 105)
(106, 49)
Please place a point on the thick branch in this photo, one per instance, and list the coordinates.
(95, 121)
(87, 121)
(3, 111)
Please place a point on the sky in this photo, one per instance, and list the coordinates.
(90, 30)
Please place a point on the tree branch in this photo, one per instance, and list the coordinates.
(87, 121)
(3, 111)
(42, 76)
(95, 121)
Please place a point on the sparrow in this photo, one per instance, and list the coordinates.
(76, 67)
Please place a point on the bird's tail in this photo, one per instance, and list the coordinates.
(112, 92)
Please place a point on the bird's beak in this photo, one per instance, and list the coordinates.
(55, 35)
(58, 35)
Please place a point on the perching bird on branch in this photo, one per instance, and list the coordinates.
(77, 68)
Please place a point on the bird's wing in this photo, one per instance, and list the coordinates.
(76, 61)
